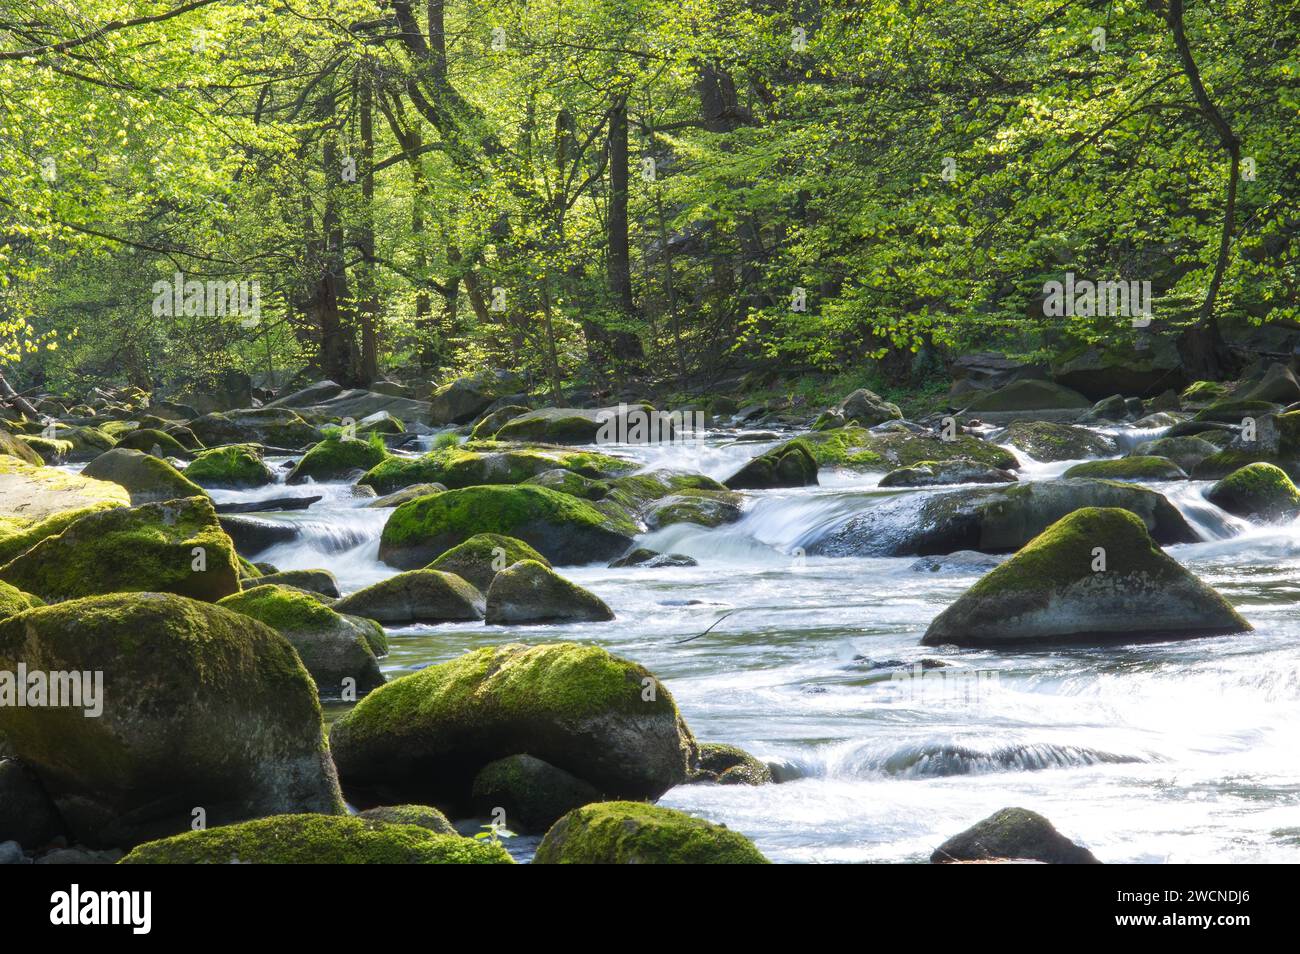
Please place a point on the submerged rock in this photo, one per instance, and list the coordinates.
(931, 473)
(1050, 442)
(788, 465)
(707, 508)
(1013, 834)
(201, 707)
(633, 833)
(563, 529)
(730, 765)
(426, 736)
(652, 559)
(172, 547)
(339, 651)
(532, 793)
(318, 840)
(1257, 491)
(529, 592)
(416, 596)
(1093, 576)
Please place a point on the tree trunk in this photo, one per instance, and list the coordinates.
(367, 293)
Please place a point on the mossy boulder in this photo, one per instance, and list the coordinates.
(14, 601)
(11, 446)
(624, 423)
(87, 442)
(1093, 576)
(730, 765)
(336, 649)
(1257, 491)
(633, 833)
(492, 422)
(203, 707)
(235, 467)
(604, 719)
(706, 508)
(1029, 394)
(480, 558)
(30, 494)
(426, 816)
(856, 448)
(153, 441)
(567, 482)
(1129, 468)
(788, 465)
(530, 592)
(416, 596)
(1273, 439)
(1048, 441)
(1186, 452)
(930, 473)
(991, 520)
(462, 400)
(563, 529)
(315, 581)
(1013, 834)
(48, 450)
(1203, 393)
(176, 546)
(336, 457)
(533, 794)
(318, 840)
(1234, 410)
(147, 479)
(471, 465)
(399, 497)
(866, 409)
(269, 426)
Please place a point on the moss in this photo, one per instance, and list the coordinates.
(145, 477)
(1050, 441)
(1231, 459)
(731, 765)
(530, 513)
(425, 816)
(1232, 411)
(1257, 490)
(49, 450)
(1203, 392)
(149, 548)
(147, 438)
(335, 457)
(858, 448)
(1129, 468)
(483, 556)
(236, 466)
(486, 462)
(17, 537)
(636, 833)
(14, 601)
(318, 839)
(282, 608)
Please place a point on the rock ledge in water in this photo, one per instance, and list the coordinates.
(1013, 834)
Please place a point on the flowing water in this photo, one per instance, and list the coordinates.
(1174, 752)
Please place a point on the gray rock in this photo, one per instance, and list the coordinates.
(534, 794)
(417, 596)
(528, 592)
(1013, 834)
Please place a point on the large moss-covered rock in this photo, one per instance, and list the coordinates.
(532, 793)
(530, 592)
(202, 707)
(480, 558)
(623, 423)
(87, 442)
(270, 426)
(491, 422)
(336, 649)
(146, 478)
(1234, 410)
(1093, 576)
(426, 736)
(1257, 491)
(462, 400)
(30, 495)
(426, 816)
(309, 839)
(1273, 439)
(856, 448)
(1098, 371)
(1029, 395)
(11, 446)
(930, 473)
(14, 601)
(48, 450)
(314, 581)
(471, 465)
(172, 547)
(1048, 441)
(563, 529)
(237, 466)
(153, 441)
(788, 465)
(990, 520)
(632, 833)
(416, 596)
(336, 457)
(1186, 452)
(866, 409)
(707, 508)
(1129, 468)
(1013, 834)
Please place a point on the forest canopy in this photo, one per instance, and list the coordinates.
(588, 191)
